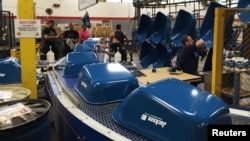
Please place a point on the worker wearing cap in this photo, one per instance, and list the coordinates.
(48, 36)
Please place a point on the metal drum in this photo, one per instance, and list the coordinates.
(10, 93)
(23, 120)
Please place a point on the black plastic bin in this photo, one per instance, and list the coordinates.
(32, 126)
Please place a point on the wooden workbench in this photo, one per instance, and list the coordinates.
(163, 73)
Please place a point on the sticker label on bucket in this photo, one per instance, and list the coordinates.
(153, 119)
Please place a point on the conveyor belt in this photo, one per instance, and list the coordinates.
(101, 113)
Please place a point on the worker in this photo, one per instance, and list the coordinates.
(71, 38)
(84, 34)
(94, 32)
(119, 34)
(49, 36)
(187, 56)
(114, 46)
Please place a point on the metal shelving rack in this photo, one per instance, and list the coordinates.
(232, 85)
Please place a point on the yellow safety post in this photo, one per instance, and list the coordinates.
(27, 48)
(218, 44)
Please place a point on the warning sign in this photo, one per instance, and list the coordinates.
(27, 28)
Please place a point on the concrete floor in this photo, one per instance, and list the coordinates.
(53, 133)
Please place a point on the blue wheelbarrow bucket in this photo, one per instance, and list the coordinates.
(84, 48)
(161, 28)
(184, 25)
(207, 27)
(144, 29)
(148, 54)
(163, 53)
(92, 41)
(244, 15)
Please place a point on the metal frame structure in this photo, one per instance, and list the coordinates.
(217, 65)
(7, 22)
(154, 4)
(28, 50)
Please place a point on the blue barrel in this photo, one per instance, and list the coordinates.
(32, 126)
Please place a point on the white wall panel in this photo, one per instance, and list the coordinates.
(69, 8)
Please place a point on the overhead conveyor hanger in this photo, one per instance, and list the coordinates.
(161, 3)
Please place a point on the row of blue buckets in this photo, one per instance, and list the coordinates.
(159, 42)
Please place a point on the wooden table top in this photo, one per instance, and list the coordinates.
(163, 73)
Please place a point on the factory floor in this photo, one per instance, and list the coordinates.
(53, 133)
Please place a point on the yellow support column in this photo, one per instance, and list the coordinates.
(218, 44)
(27, 48)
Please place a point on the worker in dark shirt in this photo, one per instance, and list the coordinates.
(187, 56)
(120, 35)
(48, 36)
(70, 38)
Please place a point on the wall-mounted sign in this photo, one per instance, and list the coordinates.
(83, 4)
(27, 28)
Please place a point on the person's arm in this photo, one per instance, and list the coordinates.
(103, 45)
(89, 34)
(112, 54)
(80, 37)
(199, 43)
(47, 37)
(77, 38)
(65, 36)
(126, 38)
